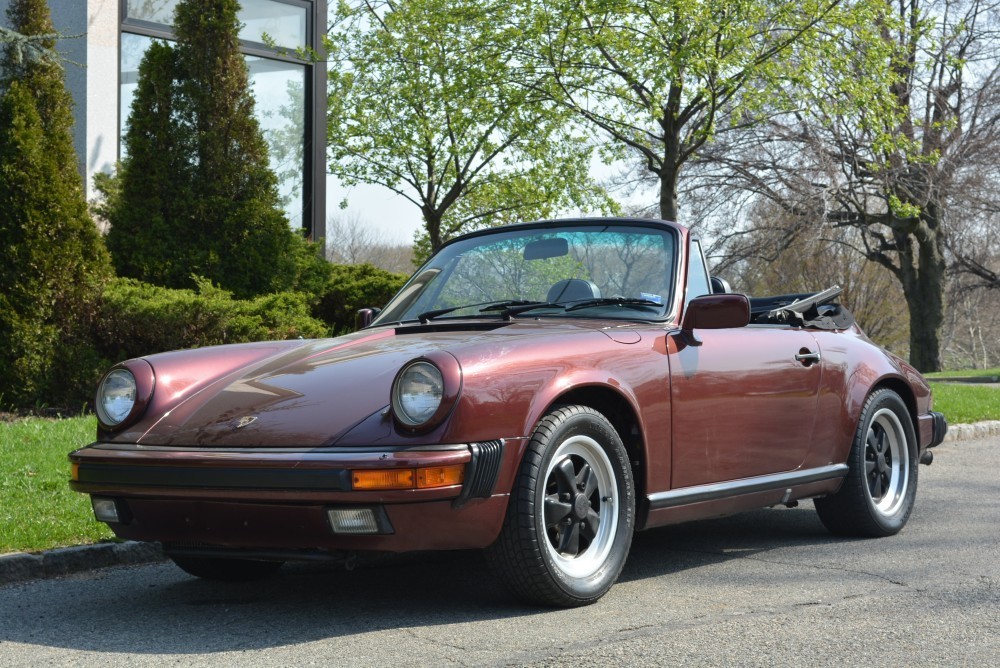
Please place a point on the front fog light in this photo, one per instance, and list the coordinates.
(354, 521)
(106, 510)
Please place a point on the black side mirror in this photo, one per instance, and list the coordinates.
(365, 316)
(725, 311)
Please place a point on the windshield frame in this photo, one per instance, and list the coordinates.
(422, 276)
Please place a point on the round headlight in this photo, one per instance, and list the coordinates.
(116, 397)
(418, 393)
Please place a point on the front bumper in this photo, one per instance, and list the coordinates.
(277, 498)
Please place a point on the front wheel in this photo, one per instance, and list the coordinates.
(571, 514)
(881, 484)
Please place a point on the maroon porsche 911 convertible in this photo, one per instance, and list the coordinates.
(541, 390)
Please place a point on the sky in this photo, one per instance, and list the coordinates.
(393, 217)
(397, 219)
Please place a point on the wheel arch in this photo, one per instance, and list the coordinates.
(623, 416)
(905, 392)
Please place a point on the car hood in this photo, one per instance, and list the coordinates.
(308, 394)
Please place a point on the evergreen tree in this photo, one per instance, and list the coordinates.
(152, 234)
(52, 259)
(195, 194)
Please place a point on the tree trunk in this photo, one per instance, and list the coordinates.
(926, 307)
(668, 193)
(922, 274)
(432, 223)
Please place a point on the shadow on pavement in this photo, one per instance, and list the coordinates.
(158, 609)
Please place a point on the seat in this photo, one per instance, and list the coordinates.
(573, 290)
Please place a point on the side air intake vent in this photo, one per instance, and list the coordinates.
(481, 475)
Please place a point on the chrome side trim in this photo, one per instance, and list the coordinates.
(764, 483)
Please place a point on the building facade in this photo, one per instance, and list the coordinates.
(104, 41)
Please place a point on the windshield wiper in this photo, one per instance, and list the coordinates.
(511, 303)
(603, 301)
(514, 309)
(510, 307)
(495, 305)
(615, 301)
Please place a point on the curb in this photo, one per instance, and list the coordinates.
(21, 566)
(966, 432)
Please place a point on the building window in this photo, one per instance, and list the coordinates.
(282, 84)
(283, 23)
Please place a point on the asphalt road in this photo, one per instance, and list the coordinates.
(769, 588)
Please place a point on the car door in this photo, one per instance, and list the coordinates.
(744, 401)
(742, 404)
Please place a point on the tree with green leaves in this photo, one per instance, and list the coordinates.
(919, 184)
(661, 78)
(195, 194)
(52, 260)
(434, 100)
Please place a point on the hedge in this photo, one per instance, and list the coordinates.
(352, 287)
(138, 319)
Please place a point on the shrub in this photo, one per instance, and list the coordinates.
(140, 319)
(352, 287)
(52, 259)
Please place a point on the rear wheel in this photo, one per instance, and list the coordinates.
(571, 513)
(877, 496)
(226, 570)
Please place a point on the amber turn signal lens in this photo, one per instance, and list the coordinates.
(382, 479)
(74, 472)
(440, 476)
(423, 478)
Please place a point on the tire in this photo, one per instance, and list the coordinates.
(877, 496)
(571, 513)
(226, 570)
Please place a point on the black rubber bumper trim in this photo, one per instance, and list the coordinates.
(219, 478)
(940, 428)
(482, 471)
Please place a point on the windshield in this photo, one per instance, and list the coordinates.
(580, 271)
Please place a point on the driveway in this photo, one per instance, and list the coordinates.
(760, 589)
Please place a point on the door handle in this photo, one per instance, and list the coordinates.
(808, 357)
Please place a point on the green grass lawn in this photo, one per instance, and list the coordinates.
(966, 403)
(967, 373)
(37, 508)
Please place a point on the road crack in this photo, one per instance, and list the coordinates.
(779, 562)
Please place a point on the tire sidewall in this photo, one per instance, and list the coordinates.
(894, 522)
(594, 425)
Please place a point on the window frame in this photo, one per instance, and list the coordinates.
(314, 142)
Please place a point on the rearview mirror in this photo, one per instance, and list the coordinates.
(542, 249)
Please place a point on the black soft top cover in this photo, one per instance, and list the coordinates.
(817, 310)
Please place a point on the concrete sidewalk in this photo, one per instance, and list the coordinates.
(21, 566)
